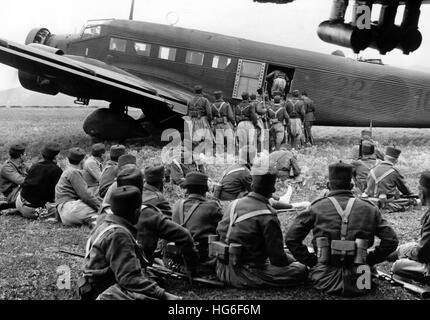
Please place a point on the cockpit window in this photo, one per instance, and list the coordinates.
(220, 62)
(91, 31)
(117, 44)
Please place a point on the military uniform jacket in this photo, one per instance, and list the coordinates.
(296, 108)
(153, 225)
(222, 109)
(245, 111)
(423, 249)
(200, 216)
(260, 236)
(179, 170)
(235, 183)
(365, 222)
(39, 185)
(361, 169)
(151, 195)
(72, 186)
(309, 109)
(115, 258)
(199, 106)
(284, 161)
(388, 185)
(278, 112)
(12, 174)
(108, 176)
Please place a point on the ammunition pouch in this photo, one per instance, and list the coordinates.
(241, 118)
(273, 121)
(219, 120)
(224, 253)
(343, 248)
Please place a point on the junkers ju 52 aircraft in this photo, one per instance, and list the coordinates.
(154, 67)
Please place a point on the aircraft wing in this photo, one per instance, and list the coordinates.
(87, 78)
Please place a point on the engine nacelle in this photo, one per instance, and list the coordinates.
(45, 48)
(38, 35)
(345, 35)
(36, 83)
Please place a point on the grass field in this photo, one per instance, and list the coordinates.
(28, 257)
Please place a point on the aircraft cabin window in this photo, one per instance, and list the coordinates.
(220, 62)
(194, 57)
(117, 44)
(93, 31)
(167, 53)
(142, 49)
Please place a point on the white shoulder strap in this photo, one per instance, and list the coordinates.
(380, 178)
(344, 214)
(90, 244)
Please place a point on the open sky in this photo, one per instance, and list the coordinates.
(291, 25)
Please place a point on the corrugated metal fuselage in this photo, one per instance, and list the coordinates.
(346, 92)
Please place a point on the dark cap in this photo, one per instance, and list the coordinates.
(126, 159)
(154, 174)
(195, 179)
(17, 149)
(260, 90)
(253, 96)
(130, 177)
(366, 134)
(296, 93)
(125, 200)
(425, 179)
(393, 152)
(198, 88)
(264, 182)
(98, 149)
(51, 150)
(340, 172)
(245, 95)
(367, 148)
(217, 94)
(277, 99)
(116, 151)
(76, 154)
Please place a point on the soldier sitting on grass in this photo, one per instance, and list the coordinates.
(414, 257)
(111, 169)
(198, 215)
(12, 175)
(343, 228)
(113, 265)
(39, 185)
(75, 204)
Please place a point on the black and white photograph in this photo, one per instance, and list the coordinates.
(224, 152)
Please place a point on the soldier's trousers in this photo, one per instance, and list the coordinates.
(245, 277)
(336, 280)
(308, 132)
(407, 266)
(115, 292)
(76, 212)
(278, 132)
(26, 211)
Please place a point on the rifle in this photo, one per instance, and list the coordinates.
(422, 291)
(162, 271)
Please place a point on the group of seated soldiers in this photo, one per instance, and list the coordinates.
(240, 241)
(287, 120)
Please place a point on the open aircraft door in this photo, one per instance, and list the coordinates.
(249, 77)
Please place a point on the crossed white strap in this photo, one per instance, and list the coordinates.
(218, 109)
(235, 219)
(344, 214)
(380, 178)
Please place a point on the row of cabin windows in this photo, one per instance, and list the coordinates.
(167, 53)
